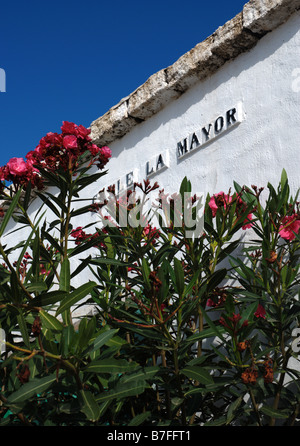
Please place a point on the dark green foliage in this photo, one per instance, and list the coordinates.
(185, 331)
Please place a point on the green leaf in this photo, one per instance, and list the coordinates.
(116, 341)
(273, 413)
(54, 243)
(146, 273)
(84, 180)
(10, 212)
(237, 187)
(75, 296)
(179, 276)
(49, 204)
(27, 196)
(189, 288)
(107, 261)
(36, 257)
(64, 282)
(216, 278)
(15, 290)
(139, 419)
(217, 330)
(27, 242)
(142, 373)
(112, 366)
(232, 408)
(80, 211)
(23, 328)
(89, 405)
(219, 422)
(284, 179)
(204, 334)
(33, 387)
(103, 338)
(48, 298)
(123, 391)
(36, 287)
(82, 265)
(86, 331)
(68, 340)
(60, 202)
(197, 373)
(110, 251)
(50, 321)
(185, 187)
(249, 312)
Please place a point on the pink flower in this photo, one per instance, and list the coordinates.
(260, 312)
(290, 225)
(247, 222)
(79, 235)
(94, 149)
(218, 200)
(3, 173)
(31, 159)
(77, 232)
(106, 152)
(70, 142)
(83, 132)
(17, 166)
(69, 127)
(102, 155)
(151, 233)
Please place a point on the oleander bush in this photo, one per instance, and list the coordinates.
(185, 330)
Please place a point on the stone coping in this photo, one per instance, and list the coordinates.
(235, 37)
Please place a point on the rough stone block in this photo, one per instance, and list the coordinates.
(113, 125)
(226, 43)
(232, 39)
(151, 97)
(192, 66)
(262, 16)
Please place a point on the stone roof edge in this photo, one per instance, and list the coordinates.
(230, 40)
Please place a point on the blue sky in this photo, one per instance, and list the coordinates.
(73, 60)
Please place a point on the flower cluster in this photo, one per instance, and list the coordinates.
(260, 312)
(233, 323)
(249, 376)
(55, 150)
(80, 236)
(224, 201)
(151, 234)
(217, 298)
(290, 226)
(269, 372)
(20, 173)
(65, 149)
